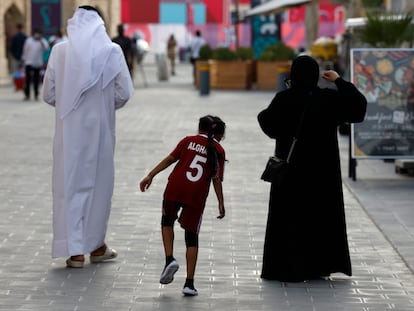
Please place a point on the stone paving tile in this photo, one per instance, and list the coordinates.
(388, 199)
(228, 271)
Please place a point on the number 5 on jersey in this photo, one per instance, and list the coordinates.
(195, 164)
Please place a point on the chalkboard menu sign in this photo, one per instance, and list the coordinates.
(386, 78)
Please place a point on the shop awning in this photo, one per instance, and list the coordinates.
(275, 6)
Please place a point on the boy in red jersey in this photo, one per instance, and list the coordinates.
(200, 161)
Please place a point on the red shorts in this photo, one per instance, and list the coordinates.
(190, 217)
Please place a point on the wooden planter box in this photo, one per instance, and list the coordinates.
(267, 74)
(231, 75)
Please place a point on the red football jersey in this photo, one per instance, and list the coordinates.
(189, 182)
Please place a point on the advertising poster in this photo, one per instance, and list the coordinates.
(46, 15)
(386, 78)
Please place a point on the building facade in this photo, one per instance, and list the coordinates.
(156, 20)
(47, 15)
(176, 11)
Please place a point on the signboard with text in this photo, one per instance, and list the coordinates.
(386, 78)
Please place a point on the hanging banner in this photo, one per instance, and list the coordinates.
(265, 30)
(386, 78)
(46, 15)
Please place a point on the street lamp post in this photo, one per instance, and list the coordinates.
(236, 23)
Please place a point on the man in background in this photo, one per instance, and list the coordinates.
(126, 45)
(32, 58)
(196, 43)
(16, 46)
(171, 52)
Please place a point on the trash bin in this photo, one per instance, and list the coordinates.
(282, 75)
(162, 67)
(204, 83)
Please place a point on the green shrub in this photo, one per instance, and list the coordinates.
(278, 51)
(222, 53)
(205, 52)
(388, 31)
(244, 53)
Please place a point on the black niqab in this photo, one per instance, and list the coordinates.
(304, 72)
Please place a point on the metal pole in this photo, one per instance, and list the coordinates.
(236, 26)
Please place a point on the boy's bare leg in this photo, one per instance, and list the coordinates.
(171, 265)
(191, 256)
(168, 239)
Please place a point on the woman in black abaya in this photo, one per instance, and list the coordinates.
(306, 231)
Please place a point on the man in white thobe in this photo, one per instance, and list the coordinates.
(86, 79)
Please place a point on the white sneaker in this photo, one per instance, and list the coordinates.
(190, 291)
(167, 275)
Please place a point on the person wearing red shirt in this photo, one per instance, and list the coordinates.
(200, 160)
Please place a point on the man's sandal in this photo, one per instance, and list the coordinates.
(74, 263)
(109, 254)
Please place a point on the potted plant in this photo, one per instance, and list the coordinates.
(387, 31)
(231, 69)
(276, 58)
(224, 54)
(245, 53)
(205, 52)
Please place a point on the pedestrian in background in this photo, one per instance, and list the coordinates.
(16, 46)
(32, 58)
(53, 40)
(306, 231)
(57, 38)
(200, 161)
(196, 43)
(86, 79)
(171, 52)
(126, 45)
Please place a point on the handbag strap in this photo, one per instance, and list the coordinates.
(295, 138)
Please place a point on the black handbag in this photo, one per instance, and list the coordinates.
(277, 169)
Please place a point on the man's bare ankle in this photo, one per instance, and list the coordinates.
(77, 258)
(99, 251)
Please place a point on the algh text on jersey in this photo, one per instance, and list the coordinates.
(197, 147)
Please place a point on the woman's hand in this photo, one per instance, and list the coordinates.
(330, 75)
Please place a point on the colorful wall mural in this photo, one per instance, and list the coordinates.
(331, 23)
(215, 34)
(155, 20)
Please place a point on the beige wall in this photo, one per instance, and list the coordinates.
(14, 11)
(11, 12)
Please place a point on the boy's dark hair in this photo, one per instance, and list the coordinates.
(90, 8)
(212, 125)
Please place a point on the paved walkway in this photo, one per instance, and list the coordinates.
(228, 272)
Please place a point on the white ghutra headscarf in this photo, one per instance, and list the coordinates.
(87, 55)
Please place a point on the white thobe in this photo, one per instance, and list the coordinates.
(83, 153)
